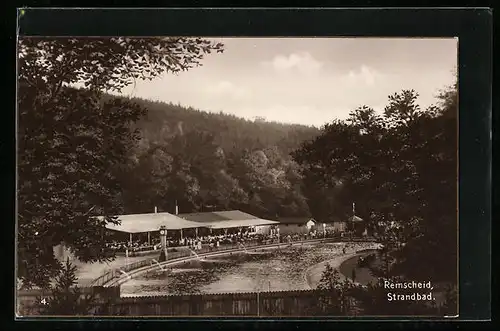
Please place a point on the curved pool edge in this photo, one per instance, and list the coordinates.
(336, 263)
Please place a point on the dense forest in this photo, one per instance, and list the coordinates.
(206, 161)
(400, 167)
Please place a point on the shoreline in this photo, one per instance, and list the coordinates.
(313, 274)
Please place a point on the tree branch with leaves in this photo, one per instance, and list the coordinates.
(72, 140)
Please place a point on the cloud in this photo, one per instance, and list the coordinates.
(303, 62)
(364, 75)
(226, 88)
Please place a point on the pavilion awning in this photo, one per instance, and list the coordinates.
(239, 223)
(140, 223)
(226, 219)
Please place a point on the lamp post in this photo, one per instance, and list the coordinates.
(163, 240)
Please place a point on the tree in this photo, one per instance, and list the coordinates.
(402, 171)
(145, 181)
(344, 298)
(48, 64)
(272, 182)
(336, 302)
(432, 242)
(72, 139)
(228, 193)
(66, 156)
(402, 108)
(66, 298)
(337, 174)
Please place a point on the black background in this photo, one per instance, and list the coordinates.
(473, 27)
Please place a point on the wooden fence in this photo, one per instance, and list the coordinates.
(302, 303)
(30, 302)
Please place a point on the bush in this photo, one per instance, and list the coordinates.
(345, 298)
(336, 301)
(67, 298)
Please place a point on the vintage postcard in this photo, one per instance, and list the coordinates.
(251, 177)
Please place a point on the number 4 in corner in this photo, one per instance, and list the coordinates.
(44, 301)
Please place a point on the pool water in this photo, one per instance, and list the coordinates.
(269, 270)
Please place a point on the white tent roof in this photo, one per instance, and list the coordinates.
(240, 223)
(140, 223)
(226, 219)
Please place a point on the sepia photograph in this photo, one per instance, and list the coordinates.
(237, 177)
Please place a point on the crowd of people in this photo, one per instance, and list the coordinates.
(216, 241)
(134, 246)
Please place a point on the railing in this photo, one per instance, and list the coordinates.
(183, 251)
(172, 254)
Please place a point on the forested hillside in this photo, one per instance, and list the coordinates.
(230, 132)
(213, 161)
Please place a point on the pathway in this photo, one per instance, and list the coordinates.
(86, 273)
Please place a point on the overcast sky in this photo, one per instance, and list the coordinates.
(307, 80)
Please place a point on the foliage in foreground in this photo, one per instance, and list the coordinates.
(401, 170)
(72, 141)
(68, 299)
(335, 298)
(343, 298)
